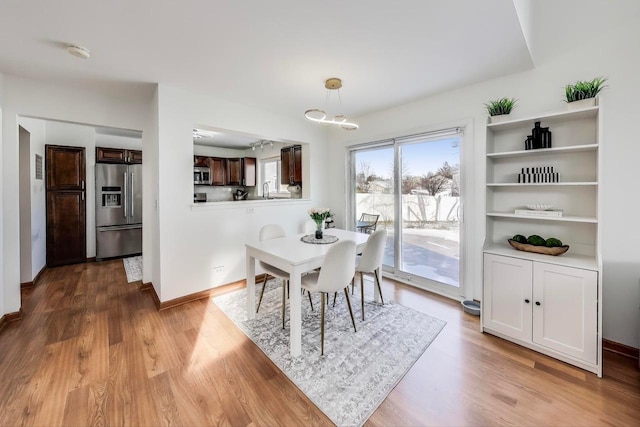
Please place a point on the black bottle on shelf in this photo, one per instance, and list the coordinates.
(546, 138)
(536, 132)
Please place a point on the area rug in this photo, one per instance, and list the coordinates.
(133, 268)
(359, 369)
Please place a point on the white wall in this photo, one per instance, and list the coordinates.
(120, 106)
(541, 90)
(35, 243)
(195, 240)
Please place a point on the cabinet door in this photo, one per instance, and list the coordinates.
(297, 164)
(507, 296)
(218, 170)
(249, 164)
(286, 172)
(201, 161)
(110, 155)
(565, 311)
(134, 156)
(234, 171)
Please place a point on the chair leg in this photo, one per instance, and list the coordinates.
(264, 285)
(284, 300)
(322, 325)
(335, 294)
(353, 283)
(310, 302)
(362, 294)
(375, 273)
(346, 292)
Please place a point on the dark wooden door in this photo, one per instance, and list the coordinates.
(234, 171)
(286, 176)
(249, 165)
(134, 157)
(66, 207)
(297, 164)
(111, 155)
(218, 168)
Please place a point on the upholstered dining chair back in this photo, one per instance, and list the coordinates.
(373, 252)
(271, 231)
(338, 267)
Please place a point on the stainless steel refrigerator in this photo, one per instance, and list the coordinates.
(118, 210)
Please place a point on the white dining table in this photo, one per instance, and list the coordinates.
(295, 257)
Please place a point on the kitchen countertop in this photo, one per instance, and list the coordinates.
(247, 203)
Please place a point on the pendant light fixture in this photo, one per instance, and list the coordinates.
(320, 116)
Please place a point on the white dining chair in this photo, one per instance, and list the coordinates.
(335, 275)
(274, 231)
(371, 262)
(268, 232)
(309, 226)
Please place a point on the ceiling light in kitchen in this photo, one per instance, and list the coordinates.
(320, 116)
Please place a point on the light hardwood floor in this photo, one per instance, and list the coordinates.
(93, 350)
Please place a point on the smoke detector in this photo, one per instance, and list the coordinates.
(79, 51)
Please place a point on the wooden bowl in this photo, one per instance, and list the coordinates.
(558, 250)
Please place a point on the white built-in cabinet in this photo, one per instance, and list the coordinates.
(551, 304)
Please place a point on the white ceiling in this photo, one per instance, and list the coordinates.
(276, 54)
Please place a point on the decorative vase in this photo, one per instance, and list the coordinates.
(583, 103)
(319, 229)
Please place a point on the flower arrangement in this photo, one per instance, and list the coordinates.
(319, 215)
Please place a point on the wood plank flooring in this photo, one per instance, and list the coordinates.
(93, 350)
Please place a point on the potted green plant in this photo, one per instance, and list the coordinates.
(500, 109)
(583, 94)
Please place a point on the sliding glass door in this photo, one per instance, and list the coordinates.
(374, 193)
(413, 185)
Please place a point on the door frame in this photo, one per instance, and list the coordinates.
(466, 152)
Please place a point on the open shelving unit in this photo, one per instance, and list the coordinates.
(523, 291)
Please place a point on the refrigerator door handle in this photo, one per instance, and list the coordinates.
(131, 201)
(124, 204)
(118, 228)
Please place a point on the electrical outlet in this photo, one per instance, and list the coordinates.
(219, 269)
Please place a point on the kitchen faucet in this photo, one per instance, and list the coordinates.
(265, 190)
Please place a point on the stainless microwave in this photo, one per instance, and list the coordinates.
(201, 175)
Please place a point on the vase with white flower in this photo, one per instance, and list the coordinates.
(319, 215)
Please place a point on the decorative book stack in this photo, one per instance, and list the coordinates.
(538, 174)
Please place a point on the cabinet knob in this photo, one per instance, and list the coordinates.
(538, 303)
(527, 301)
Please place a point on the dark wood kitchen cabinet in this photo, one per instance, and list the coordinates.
(118, 155)
(65, 205)
(234, 171)
(241, 171)
(201, 161)
(291, 165)
(218, 170)
(249, 170)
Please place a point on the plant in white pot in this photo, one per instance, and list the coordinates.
(500, 109)
(583, 94)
